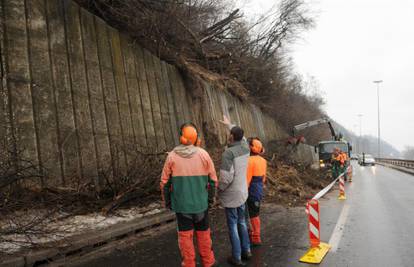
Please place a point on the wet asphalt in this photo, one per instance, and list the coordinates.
(377, 231)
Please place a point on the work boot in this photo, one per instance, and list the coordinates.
(205, 248)
(185, 242)
(235, 262)
(246, 255)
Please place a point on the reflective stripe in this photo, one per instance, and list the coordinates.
(314, 230)
(314, 213)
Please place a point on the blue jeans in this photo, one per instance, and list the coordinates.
(239, 237)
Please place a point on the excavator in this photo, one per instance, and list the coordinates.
(324, 149)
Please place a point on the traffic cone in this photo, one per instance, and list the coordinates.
(342, 195)
(318, 249)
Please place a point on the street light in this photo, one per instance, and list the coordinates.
(379, 125)
(360, 133)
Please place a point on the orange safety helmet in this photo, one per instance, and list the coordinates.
(256, 146)
(189, 134)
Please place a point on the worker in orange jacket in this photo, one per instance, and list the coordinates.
(256, 177)
(188, 186)
(338, 163)
(345, 165)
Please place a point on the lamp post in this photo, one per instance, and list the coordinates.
(379, 124)
(360, 134)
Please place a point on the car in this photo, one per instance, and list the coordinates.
(354, 157)
(366, 159)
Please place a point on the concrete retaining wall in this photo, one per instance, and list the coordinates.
(79, 98)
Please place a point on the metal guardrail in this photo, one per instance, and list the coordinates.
(397, 162)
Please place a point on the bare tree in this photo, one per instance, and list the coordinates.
(212, 36)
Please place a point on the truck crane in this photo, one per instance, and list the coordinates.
(308, 124)
(324, 149)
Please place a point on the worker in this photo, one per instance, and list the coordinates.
(188, 186)
(256, 178)
(337, 163)
(345, 166)
(233, 193)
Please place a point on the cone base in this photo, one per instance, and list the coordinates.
(342, 197)
(315, 255)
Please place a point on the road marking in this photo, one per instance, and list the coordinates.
(339, 229)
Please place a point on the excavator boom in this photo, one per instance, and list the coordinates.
(308, 124)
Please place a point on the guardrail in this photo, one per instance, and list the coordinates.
(398, 162)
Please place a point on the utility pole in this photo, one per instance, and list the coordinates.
(379, 125)
(360, 134)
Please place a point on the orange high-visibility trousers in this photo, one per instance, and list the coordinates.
(185, 243)
(205, 247)
(255, 230)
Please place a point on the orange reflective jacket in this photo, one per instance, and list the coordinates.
(256, 176)
(344, 156)
(340, 159)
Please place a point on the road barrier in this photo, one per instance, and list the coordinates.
(409, 164)
(342, 195)
(350, 173)
(318, 249)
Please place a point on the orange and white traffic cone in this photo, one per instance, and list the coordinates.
(342, 195)
(318, 249)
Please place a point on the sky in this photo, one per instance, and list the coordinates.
(354, 43)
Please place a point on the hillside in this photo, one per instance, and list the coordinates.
(212, 40)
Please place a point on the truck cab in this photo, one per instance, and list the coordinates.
(325, 150)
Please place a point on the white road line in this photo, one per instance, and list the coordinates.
(339, 229)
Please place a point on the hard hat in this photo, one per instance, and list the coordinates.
(256, 146)
(188, 134)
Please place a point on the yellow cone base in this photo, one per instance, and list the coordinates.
(342, 197)
(316, 254)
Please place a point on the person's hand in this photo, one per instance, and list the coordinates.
(167, 205)
(211, 202)
(225, 121)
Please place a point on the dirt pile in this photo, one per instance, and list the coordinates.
(293, 184)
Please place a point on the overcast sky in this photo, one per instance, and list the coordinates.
(354, 43)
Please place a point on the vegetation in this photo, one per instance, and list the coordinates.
(212, 39)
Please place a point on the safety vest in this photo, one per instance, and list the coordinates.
(256, 177)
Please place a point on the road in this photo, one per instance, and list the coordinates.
(373, 227)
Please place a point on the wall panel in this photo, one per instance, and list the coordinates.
(86, 99)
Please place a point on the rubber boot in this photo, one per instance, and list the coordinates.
(255, 231)
(185, 243)
(205, 248)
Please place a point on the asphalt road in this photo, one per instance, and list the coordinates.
(379, 228)
(373, 227)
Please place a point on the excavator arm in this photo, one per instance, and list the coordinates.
(308, 124)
